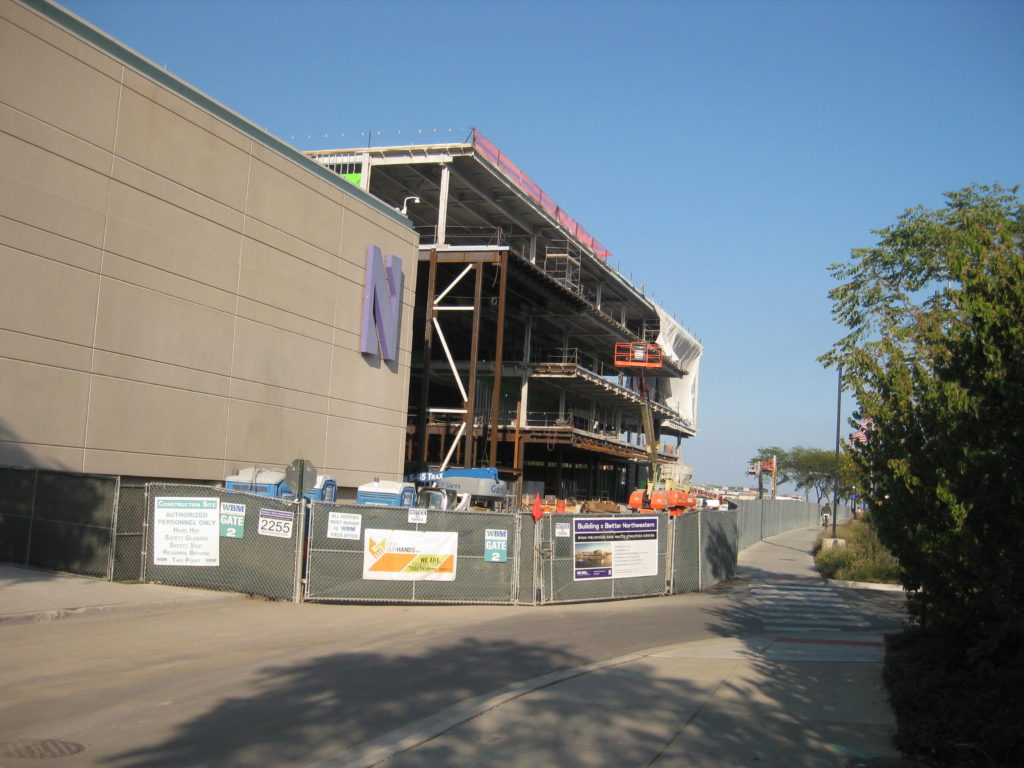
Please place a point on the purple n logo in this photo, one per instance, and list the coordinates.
(382, 304)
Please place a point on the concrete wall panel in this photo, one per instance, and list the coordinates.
(187, 301)
(360, 448)
(45, 79)
(50, 192)
(281, 359)
(28, 348)
(51, 405)
(167, 329)
(55, 140)
(132, 368)
(171, 237)
(279, 279)
(53, 247)
(171, 100)
(279, 201)
(134, 417)
(272, 436)
(156, 138)
(171, 193)
(46, 298)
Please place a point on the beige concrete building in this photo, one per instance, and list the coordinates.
(182, 295)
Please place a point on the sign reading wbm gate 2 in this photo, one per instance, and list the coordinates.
(615, 547)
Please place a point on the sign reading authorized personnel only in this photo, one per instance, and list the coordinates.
(186, 531)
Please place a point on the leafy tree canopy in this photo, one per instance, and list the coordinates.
(811, 469)
(934, 353)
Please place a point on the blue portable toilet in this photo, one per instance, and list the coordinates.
(386, 493)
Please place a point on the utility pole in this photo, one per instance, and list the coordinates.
(835, 494)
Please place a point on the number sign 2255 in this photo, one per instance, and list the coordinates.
(275, 522)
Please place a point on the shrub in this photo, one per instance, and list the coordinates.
(862, 558)
(950, 710)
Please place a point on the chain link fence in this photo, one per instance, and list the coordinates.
(584, 558)
(686, 553)
(205, 537)
(719, 545)
(61, 521)
(130, 532)
(365, 553)
(762, 518)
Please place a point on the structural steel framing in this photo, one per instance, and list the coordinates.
(518, 311)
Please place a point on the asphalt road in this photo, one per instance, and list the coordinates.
(252, 683)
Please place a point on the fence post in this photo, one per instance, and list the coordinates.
(670, 582)
(700, 549)
(112, 549)
(144, 549)
(300, 549)
(31, 517)
(517, 563)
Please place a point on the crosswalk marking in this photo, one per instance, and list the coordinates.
(796, 607)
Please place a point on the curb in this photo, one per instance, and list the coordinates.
(112, 609)
(865, 585)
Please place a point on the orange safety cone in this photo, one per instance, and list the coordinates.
(560, 507)
(538, 513)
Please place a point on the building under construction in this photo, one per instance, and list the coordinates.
(518, 312)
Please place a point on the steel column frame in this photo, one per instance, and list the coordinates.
(474, 350)
(498, 358)
(474, 260)
(428, 346)
(442, 205)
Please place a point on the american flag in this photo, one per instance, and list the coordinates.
(861, 435)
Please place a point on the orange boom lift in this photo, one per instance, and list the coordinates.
(646, 356)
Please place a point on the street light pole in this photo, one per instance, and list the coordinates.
(839, 406)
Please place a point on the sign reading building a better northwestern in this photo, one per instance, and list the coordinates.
(382, 305)
(186, 531)
(615, 547)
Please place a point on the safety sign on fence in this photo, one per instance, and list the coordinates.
(410, 555)
(615, 547)
(186, 531)
(232, 520)
(495, 545)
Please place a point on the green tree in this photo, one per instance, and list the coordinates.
(781, 457)
(811, 469)
(935, 356)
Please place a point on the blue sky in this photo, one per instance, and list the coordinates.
(725, 152)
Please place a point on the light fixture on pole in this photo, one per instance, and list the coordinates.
(405, 204)
(839, 405)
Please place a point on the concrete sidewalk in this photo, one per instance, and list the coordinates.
(750, 697)
(29, 595)
(803, 699)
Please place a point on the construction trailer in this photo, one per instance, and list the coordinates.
(518, 311)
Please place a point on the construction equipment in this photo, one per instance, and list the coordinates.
(643, 356)
(475, 487)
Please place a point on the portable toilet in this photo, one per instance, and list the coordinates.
(270, 482)
(386, 493)
(326, 489)
(259, 481)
